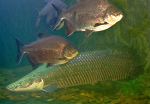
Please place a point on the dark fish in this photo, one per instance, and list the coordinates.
(50, 49)
(88, 16)
(49, 11)
(86, 68)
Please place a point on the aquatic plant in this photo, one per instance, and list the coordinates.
(132, 87)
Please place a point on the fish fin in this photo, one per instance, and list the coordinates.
(98, 24)
(60, 26)
(69, 28)
(50, 88)
(77, 1)
(37, 10)
(38, 19)
(88, 32)
(50, 17)
(20, 54)
(37, 22)
(57, 9)
(42, 35)
(32, 61)
(49, 64)
(46, 1)
(58, 20)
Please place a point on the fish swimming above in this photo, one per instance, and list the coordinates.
(86, 68)
(88, 16)
(50, 12)
(50, 49)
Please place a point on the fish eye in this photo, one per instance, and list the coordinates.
(72, 50)
(15, 86)
(115, 14)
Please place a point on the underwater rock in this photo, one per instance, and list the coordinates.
(106, 99)
(73, 90)
(111, 96)
(76, 97)
(148, 102)
(122, 98)
(116, 101)
(2, 87)
(123, 103)
(19, 97)
(46, 96)
(55, 94)
(136, 97)
(65, 98)
(10, 97)
(87, 94)
(101, 99)
(50, 99)
(34, 94)
(98, 101)
(118, 94)
(6, 92)
(42, 94)
(82, 91)
(136, 102)
(38, 96)
(94, 99)
(128, 101)
(65, 91)
(143, 101)
(1, 91)
(142, 96)
(79, 103)
(84, 99)
(23, 97)
(72, 101)
(92, 95)
(92, 92)
(82, 94)
(2, 97)
(100, 95)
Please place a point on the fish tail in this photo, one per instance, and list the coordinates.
(38, 19)
(20, 46)
(58, 20)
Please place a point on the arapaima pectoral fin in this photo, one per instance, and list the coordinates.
(50, 88)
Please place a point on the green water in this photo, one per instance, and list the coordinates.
(17, 19)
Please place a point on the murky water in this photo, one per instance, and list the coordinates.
(18, 18)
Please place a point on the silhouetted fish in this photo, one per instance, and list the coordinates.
(49, 11)
(88, 16)
(51, 49)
